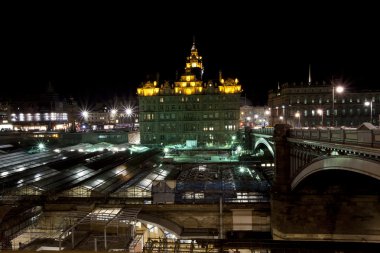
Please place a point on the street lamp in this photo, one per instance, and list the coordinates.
(85, 115)
(298, 115)
(129, 117)
(267, 113)
(369, 103)
(129, 112)
(320, 112)
(338, 89)
(113, 112)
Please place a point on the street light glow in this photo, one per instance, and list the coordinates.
(128, 111)
(320, 112)
(339, 89)
(298, 115)
(369, 103)
(84, 114)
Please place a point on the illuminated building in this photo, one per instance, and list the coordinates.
(310, 105)
(253, 116)
(43, 113)
(189, 108)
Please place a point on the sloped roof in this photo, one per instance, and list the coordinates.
(366, 126)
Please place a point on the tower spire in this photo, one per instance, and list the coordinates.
(309, 74)
(193, 47)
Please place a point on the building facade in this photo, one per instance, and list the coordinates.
(311, 105)
(189, 108)
(254, 116)
(43, 112)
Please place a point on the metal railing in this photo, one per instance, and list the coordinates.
(367, 138)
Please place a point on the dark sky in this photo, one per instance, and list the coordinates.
(100, 55)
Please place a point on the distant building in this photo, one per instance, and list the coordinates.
(116, 113)
(311, 105)
(254, 116)
(43, 113)
(189, 109)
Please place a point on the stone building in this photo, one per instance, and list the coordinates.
(311, 105)
(189, 108)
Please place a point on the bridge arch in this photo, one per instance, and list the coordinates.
(354, 164)
(263, 141)
(166, 224)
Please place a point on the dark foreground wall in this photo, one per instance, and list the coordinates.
(326, 217)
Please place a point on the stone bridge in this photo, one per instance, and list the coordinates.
(300, 153)
(327, 183)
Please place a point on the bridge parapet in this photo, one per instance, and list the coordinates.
(368, 138)
(263, 131)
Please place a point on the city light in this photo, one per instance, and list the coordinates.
(369, 103)
(298, 115)
(320, 112)
(129, 112)
(338, 89)
(113, 112)
(85, 114)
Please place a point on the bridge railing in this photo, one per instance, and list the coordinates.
(264, 131)
(368, 138)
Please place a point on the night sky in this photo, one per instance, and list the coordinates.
(100, 56)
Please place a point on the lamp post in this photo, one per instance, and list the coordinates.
(113, 116)
(129, 114)
(267, 116)
(369, 103)
(338, 89)
(320, 112)
(298, 115)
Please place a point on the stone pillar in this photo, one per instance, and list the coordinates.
(282, 158)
